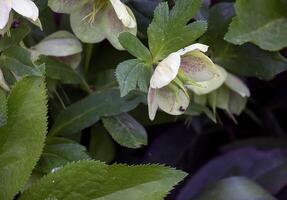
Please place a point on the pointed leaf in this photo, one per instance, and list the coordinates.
(87, 180)
(125, 130)
(134, 46)
(88, 111)
(262, 22)
(22, 138)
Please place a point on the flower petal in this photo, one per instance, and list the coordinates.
(5, 8)
(66, 6)
(26, 8)
(235, 84)
(197, 66)
(210, 85)
(196, 46)
(114, 27)
(123, 14)
(152, 103)
(166, 71)
(174, 102)
(88, 31)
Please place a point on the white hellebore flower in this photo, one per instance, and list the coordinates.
(187, 68)
(26, 8)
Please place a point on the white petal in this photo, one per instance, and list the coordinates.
(152, 103)
(237, 85)
(210, 85)
(26, 8)
(123, 14)
(197, 46)
(166, 71)
(5, 8)
(173, 102)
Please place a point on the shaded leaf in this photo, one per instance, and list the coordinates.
(88, 111)
(249, 162)
(58, 152)
(17, 35)
(125, 130)
(235, 188)
(101, 146)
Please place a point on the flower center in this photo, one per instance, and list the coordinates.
(97, 5)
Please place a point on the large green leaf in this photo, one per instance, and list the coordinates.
(262, 22)
(246, 60)
(88, 111)
(235, 188)
(88, 180)
(22, 138)
(58, 152)
(132, 74)
(169, 31)
(3, 108)
(125, 130)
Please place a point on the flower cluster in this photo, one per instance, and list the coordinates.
(190, 73)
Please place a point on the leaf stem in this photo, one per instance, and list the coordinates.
(88, 56)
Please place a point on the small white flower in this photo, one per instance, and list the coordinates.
(187, 68)
(26, 8)
(200, 73)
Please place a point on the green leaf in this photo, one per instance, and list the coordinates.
(262, 22)
(88, 111)
(3, 108)
(135, 47)
(58, 152)
(235, 188)
(87, 180)
(60, 71)
(168, 31)
(125, 130)
(246, 60)
(18, 67)
(132, 74)
(17, 35)
(22, 138)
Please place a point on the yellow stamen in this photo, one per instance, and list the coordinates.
(98, 5)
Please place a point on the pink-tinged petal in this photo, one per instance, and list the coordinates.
(235, 84)
(166, 71)
(5, 8)
(123, 14)
(152, 103)
(212, 84)
(113, 27)
(193, 47)
(26, 8)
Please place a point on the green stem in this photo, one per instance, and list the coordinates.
(88, 56)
